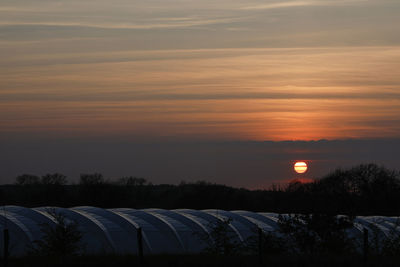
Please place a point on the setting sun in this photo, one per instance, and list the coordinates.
(300, 167)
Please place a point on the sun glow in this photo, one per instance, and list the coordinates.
(300, 167)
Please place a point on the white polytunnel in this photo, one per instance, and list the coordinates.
(163, 231)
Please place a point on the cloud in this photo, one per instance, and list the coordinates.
(172, 23)
(160, 71)
(212, 24)
(281, 5)
(73, 67)
(245, 94)
(293, 4)
(128, 96)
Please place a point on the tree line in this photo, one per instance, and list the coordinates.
(366, 189)
(85, 179)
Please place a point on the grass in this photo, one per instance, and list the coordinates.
(200, 260)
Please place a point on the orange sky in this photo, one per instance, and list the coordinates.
(200, 70)
(234, 94)
(176, 89)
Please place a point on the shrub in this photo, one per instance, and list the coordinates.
(221, 239)
(59, 240)
(317, 233)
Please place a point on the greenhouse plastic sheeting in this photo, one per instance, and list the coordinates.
(163, 231)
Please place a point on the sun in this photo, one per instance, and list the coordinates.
(300, 167)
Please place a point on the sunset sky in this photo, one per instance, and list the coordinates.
(229, 91)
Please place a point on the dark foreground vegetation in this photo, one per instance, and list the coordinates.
(363, 190)
(313, 237)
(200, 260)
(300, 240)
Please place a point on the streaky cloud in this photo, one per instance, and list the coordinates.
(127, 26)
(293, 4)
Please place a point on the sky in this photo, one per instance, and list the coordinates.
(228, 91)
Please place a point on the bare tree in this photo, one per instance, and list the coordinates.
(91, 179)
(27, 179)
(54, 179)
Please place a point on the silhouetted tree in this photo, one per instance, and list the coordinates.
(316, 233)
(221, 239)
(271, 243)
(54, 179)
(60, 240)
(92, 179)
(27, 179)
(132, 181)
(366, 189)
(362, 180)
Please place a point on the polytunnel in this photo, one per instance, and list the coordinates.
(163, 231)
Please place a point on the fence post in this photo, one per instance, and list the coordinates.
(260, 246)
(6, 237)
(366, 245)
(140, 245)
